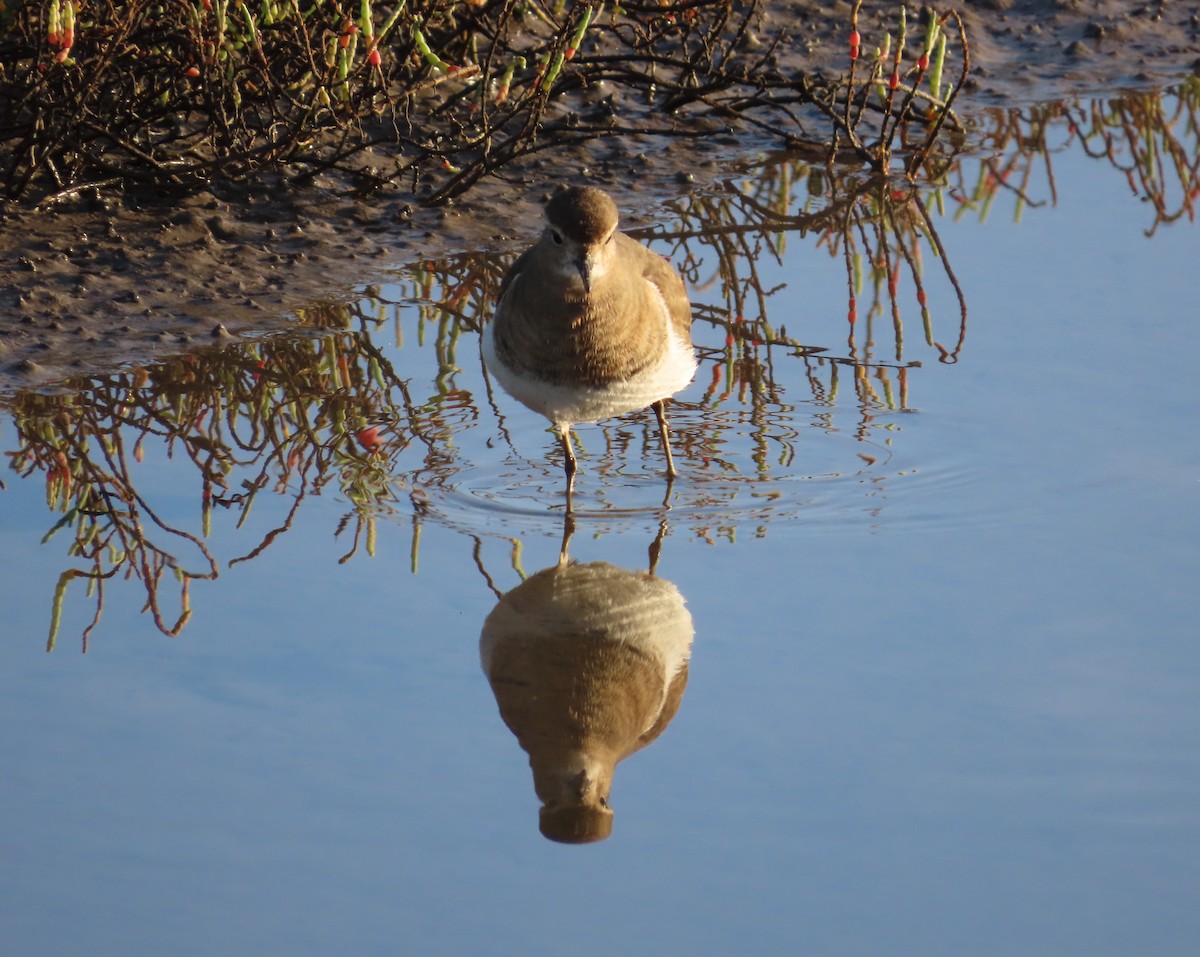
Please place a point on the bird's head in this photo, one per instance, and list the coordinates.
(580, 224)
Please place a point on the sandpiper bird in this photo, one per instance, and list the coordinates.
(590, 323)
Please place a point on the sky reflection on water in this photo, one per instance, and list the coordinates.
(942, 701)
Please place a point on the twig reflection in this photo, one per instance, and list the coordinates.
(325, 409)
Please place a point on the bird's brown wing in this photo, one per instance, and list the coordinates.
(670, 708)
(514, 271)
(659, 271)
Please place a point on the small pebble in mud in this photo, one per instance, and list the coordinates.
(221, 228)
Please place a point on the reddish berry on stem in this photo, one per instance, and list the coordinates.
(369, 438)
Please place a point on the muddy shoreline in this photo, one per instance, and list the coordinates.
(97, 284)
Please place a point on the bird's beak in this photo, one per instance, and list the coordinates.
(584, 264)
(588, 265)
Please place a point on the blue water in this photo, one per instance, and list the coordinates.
(944, 683)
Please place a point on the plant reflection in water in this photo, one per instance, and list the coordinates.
(1152, 140)
(324, 408)
(292, 414)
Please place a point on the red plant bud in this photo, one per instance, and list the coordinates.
(369, 438)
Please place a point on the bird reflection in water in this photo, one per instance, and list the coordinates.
(588, 663)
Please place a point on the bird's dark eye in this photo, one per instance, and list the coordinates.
(557, 236)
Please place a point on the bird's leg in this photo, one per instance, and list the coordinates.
(564, 437)
(656, 546)
(569, 463)
(568, 531)
(660, 413)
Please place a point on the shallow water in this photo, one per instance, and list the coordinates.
(943, 686)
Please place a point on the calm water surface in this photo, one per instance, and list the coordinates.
(945, 673)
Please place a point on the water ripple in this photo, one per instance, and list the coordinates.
(517, 495)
